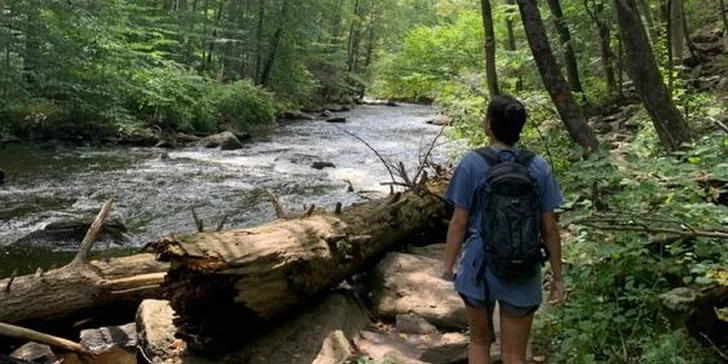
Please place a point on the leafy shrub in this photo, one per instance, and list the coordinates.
(242, 105)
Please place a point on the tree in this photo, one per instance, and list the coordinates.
(572, 69)
(490, 70)
(511, 45)
(671, 128)
(605, 50)
(559, 91)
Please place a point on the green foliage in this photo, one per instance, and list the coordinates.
(614, 313)
(243, 106)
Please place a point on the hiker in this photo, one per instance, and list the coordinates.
(513, 216)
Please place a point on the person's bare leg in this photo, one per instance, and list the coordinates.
(479, 350)
(515, 332)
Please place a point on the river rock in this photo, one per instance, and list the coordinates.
(2, 176)
(75, 230)
(322, 165)
(336, 120)
(166, 144)
(297, 115)
(405, 283)
(321, 334)
(414, 349)
(225, 141)
(34, 352)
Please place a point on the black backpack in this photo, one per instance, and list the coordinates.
(510, 202)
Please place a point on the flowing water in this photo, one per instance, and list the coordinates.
(153, 195)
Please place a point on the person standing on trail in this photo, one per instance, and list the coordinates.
(504, 199)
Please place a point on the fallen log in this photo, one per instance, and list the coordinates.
(227, 285)
(72, 292)
(81, 287)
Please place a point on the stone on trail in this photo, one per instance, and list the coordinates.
(413, 324)
(34, 352)
(405, 283)
(434, 251)
(115, 344)
(412, 349)
(319, 335)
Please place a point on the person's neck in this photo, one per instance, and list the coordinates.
(499, 144)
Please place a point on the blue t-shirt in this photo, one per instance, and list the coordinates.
(522, 292)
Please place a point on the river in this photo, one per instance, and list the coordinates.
(153, 195)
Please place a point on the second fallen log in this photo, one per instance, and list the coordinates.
(225, 285)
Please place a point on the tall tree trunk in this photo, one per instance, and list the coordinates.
(605, 51)
(490, 69)
(694, 52)
(677, 29)
(642, 68)
(275, 43)
(724, 17)
(647, 13)
(353, 44)
(668, 46)
(512, 42)
(570, 112)
(572, 68)
(211, 51)
(259, 42)
(370, 44)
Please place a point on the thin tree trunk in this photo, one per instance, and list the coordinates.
(275, 44)
(605, 51)
(677, 29)
(647, 13)
(370, 45)
(353, 42)
(671, 128)
(259, 42)
(570, 112)
(572, 68)
(620, 68)
(512, 43)
(668, 46)
(490, 69)
(724, 17)
(694, 52)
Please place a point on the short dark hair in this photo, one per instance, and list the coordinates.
(507, 117)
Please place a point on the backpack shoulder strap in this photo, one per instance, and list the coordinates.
(525, 157)
(489, 155)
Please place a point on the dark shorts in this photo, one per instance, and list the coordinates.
(506, 308)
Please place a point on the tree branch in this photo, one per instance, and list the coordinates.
(91, 235)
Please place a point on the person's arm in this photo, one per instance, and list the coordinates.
(553, 244)
(456, 232)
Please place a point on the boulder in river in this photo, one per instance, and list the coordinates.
(225, 141)
(336, 120)
(75, 230)
(297, 115)
(322, 165)
(2, 176)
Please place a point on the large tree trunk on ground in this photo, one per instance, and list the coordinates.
(490, 69)
(222, 283)
(572, 69)
(558, 89)
(642, 68)
(76, 290)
